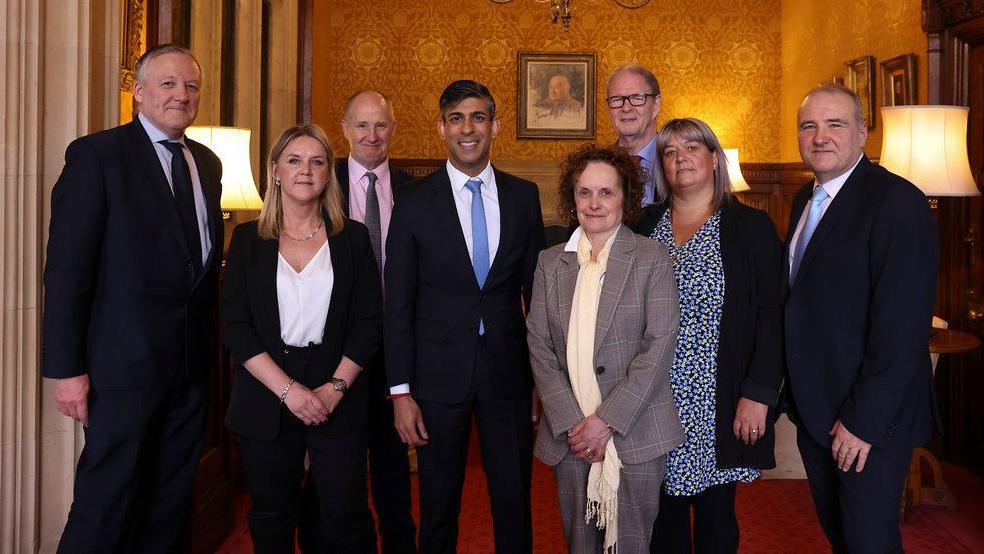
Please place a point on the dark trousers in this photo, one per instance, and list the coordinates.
(389, 470)
(859, 512)
(715, 525)
(135, 475)
(275, 472)
(505, 436)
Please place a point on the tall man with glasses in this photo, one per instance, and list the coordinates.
(130, 304)
(634, 100)
(460, 257)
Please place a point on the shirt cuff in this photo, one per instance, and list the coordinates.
(403, 388)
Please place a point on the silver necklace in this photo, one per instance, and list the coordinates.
(295, 239)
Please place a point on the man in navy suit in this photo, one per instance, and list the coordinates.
(862, 256)
(133, 256)
(461, 252)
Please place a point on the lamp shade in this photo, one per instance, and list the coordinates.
(738, 183)
(231, 145)
(928, 146)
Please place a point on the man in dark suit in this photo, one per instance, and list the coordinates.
(133, 256)
(461, 252)
(862, 256)
(634, 99)
(370, 184)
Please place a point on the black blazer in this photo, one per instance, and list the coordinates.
(251, 321)
(857, 317)
(433, 302)
(749, 358)
(398, 180)
(122, 301)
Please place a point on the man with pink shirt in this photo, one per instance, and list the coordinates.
(370, 185)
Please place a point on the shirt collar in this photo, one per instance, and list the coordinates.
(155, 134)
(458, 179)
(571, 245)
(648, 151)
(357, 171)
(834, 185)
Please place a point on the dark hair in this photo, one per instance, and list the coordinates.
(458, 91)
(840, 89)
(630, 173)
(139, 73)
(691, 129)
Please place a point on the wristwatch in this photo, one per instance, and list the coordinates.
(339, 384)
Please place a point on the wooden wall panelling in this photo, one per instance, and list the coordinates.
(955, 32)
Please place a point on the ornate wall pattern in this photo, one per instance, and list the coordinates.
(716, 59)
(817, 38)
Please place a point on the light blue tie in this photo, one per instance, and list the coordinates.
(480, 238)
(812, 220)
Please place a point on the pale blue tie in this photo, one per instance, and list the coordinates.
(812, 220)
(480, 238)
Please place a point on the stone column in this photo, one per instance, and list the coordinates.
(58, 60)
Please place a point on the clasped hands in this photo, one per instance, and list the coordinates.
(588, 439)
(312, 406)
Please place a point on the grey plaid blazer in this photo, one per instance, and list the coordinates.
(638, 316)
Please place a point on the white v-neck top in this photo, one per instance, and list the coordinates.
(304, 298)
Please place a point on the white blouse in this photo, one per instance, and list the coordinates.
(304, 298)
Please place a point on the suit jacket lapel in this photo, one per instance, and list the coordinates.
(342, 287)
(268, 260)
(843, 202)
(341, 172)
(506, 222)
(620, 261)
(212, 192)
(446, 216)
(144, 155)
(566, 283)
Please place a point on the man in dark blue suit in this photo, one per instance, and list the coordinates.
(862, 256)
(461, 252)
(133, 257)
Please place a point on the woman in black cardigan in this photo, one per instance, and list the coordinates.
(302, 315)
(727, 370)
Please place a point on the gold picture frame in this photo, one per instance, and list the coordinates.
(130, 47)
(859, 76)
(898, 81)
(555, 95)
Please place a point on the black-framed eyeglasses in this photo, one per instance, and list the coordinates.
(637, 100)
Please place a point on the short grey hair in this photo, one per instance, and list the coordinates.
(637, 70)
(840, 89)
(140, 72)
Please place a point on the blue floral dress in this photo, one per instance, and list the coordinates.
(692, 467)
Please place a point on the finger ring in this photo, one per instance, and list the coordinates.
(590, 452)
(755, 430)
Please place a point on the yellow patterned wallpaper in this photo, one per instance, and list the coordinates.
(818, 37)
(716, 59)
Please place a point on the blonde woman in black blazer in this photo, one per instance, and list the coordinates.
(291, 399)
(729, 417)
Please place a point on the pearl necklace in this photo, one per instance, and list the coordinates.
(295, 239)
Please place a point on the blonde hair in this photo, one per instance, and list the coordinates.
(272, 215)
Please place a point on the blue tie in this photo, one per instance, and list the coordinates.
(812, 220)
(480, 238)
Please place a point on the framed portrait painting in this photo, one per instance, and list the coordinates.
(859, 76)
(898, 81)
(556, 95)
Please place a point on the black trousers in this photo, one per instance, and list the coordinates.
(715, 525)
(275, 473)
(859, 512)
(134, 478)
(389, 471)
(505, 436)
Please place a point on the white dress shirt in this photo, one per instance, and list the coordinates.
(304, 297)
(164, 155)
(463, 202)
(832, 187)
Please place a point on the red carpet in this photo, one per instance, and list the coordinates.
(775, 516)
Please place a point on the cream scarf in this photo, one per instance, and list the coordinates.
(603, 477)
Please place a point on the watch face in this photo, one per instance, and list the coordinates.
(339, 385)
